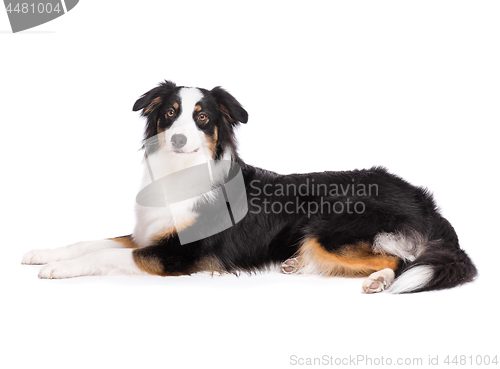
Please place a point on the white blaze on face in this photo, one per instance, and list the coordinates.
(185, 124)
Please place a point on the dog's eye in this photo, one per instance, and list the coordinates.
(202, 117)
(171, 112)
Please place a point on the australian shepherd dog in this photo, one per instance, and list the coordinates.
(201, 208)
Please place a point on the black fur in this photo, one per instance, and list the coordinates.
(261, 238)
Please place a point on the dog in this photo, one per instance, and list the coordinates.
(201, 208)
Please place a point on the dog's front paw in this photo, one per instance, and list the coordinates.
(38, 257)
(378, 281)
(65, 269)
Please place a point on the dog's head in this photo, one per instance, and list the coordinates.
(188, 121)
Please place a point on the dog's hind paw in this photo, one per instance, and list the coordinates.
(290, 266)
(378, 281)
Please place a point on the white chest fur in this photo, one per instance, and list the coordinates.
(152, 223)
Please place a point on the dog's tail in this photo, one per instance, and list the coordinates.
(431, 262)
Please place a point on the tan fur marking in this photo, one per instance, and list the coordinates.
(126, 241)
(148, 264)
(151, 106)
(197, 108)
(212, 142)
(161, 139)
(161, 135)
(176, 106)
(153, 265)
(167, 232)
(225, 111)
(209, 264)
(351, 260)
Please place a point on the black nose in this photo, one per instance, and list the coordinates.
(178, 141)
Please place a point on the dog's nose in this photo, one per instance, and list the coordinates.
(178, 141)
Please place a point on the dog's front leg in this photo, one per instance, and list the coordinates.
(101, 262)
(73, 251)
(166, 258)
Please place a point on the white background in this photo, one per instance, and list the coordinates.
(413, 86)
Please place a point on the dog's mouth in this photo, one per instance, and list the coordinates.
(186, 152)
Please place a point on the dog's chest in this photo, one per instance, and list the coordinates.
(155, 223)
(181, 193)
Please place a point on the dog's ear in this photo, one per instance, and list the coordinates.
(229, 106)
(152, 98)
